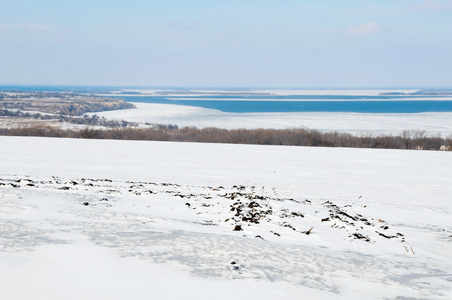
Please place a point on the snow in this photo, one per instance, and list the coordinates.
(99, 219)
(434, 123)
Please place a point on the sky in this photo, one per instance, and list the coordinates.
(227, 43)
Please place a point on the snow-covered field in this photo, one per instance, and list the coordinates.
(356, 123)
(99, 219)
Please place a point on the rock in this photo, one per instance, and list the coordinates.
(297, 214)
(237, 228)
(357, 235)
(308, 232)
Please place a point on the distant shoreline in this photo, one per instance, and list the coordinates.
(280, 104)
(355, 123)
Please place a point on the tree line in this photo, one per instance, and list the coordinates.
(409, 139)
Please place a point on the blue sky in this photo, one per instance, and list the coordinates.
(324, 43)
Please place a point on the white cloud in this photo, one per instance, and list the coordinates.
(364, 29)
(435, 5)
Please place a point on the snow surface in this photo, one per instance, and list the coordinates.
(99, 219)
(357, 123)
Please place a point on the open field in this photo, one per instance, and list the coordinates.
(133, 219)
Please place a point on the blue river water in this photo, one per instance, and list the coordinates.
(300, 103)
